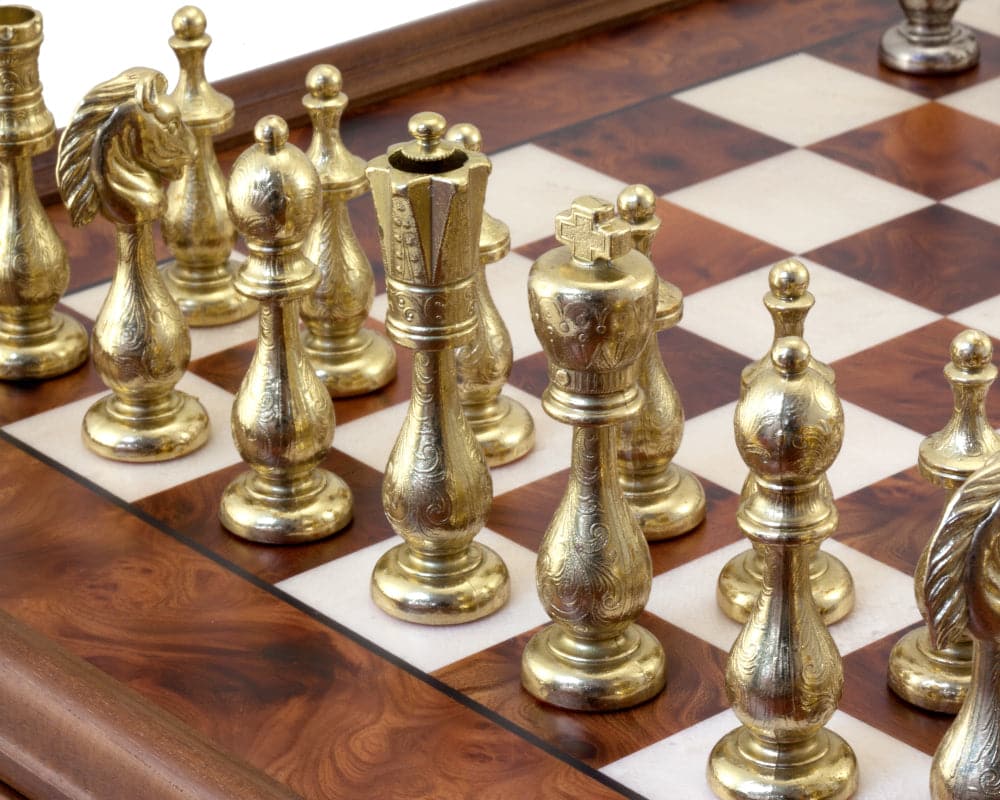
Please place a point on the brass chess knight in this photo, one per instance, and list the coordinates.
(592, 306)
(282, 418)
(35, 341)
(938, 678)
(123, 141)
(347, 357)
(196, 224)
(437, 490)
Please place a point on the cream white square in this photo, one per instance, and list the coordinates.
(798, 200)
(800, 99)
(982, 202)
(981, 14)
(341, 589)
(984, 315)
(981, 100)
(57, 434)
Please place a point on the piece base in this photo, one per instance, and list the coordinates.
(477, 588)
(937, 680)
(59, 350)
(739, 585)
(323, 510)
(506, 435)
(211, 302)
(179, 430)
(368, 365)
(605, 679)
(669, 513)
(831, 773)
(960, 52)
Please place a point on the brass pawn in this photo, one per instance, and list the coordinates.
(282, 418)
(592, 306)
(348, 358)
(938, 678)
(666, 499)
(784, 675)
(196, 225)
(788, 301)
(437, 490)
(35, 341)
(502, 425)
(124, 140)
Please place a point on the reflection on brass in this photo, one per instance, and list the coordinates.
(788, 301)
(784, 675)
(348, 358)
(196, 225)
(502, 425)
(282, 418)
(123, 141)
(927, 41)
(667, 499)
(437, 490)
(592, 306)
(35, 341)
(959, 594)
(932, 678)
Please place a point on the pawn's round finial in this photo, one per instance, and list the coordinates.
(788, 279)
(636, 204)
(467, 136)
(790, 355)
(271, 132)
(971, 350)
(189, 23)
(324, 81)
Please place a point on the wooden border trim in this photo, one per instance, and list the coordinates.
(72, 731)
(408, 57)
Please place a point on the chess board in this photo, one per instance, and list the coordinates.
(767, 129)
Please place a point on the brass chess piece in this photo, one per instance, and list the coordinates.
(123, 141)
(282, 418)
(788, 301)
(196, 225)
(437, 490)
(784, 675)
(347, 357)
(959, 595)
(928, 41)
(592, 306)
(35, 341)
(502, 425)
(667, 499)
(938, 678)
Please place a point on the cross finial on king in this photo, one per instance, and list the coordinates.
(591, 230)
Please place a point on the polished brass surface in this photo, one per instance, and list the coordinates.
(35, 341)
(959, 594)
(788, 301)
(437, 490)
(282, 418)
(196, 224)
(592, 306)
(784, 675)
(502, 425)
(123, 141)
(938, 679)
(666, 498)
(347, 357)
(927, 41)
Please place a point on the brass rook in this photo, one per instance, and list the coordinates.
(437, 490)
(592, 305)
(282, 418)
(123, 141)
(927, 41)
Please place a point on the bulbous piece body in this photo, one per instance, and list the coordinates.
(927, 41)
(35, 340)
(437, 490)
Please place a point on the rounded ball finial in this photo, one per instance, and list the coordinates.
(971, 350)
(271, 132)
(324, 81)
(427, 127)
(189, 23)
(466, 135)
(636, 204)
(790, 355)
(788, 279)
